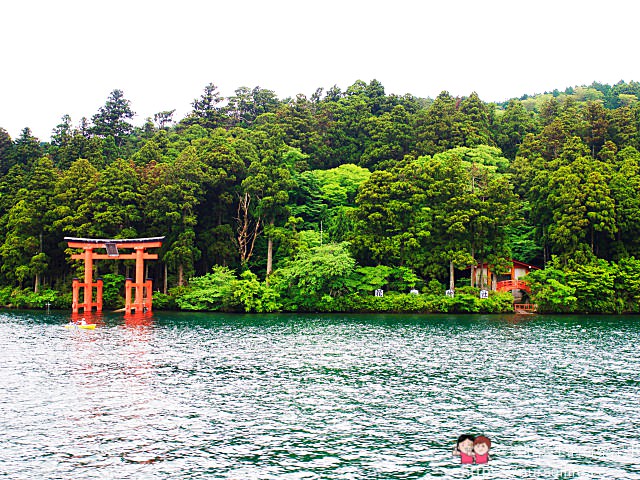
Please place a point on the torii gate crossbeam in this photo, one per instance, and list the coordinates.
(142, 302)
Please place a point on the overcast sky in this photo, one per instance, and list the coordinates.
(66, 56)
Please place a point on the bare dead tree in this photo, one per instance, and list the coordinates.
(248, 228)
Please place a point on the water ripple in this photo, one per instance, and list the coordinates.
(318, 397)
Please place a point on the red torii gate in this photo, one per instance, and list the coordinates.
(112, 246)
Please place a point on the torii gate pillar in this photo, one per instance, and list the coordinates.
(143, 298)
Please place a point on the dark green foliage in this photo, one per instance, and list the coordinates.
(511, 127)
(7, 152)
(112, 290)
(26, 151)
(112, 120)
(318, 201)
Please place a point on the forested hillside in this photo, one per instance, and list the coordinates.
(312, 203)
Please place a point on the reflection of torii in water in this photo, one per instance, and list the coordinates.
(141, 302)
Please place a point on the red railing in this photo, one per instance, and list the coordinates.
(525, 307)
(507, 285)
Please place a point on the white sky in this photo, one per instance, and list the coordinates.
(66, 56)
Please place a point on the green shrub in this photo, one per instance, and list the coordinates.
(211, 292)
(5, 296)
(112, 289)
(27, 298)
(255, 296)
(163, 301)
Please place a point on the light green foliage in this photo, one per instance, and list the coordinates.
(394, 302)
(434, 287)
(323, 198)
(372, 278)
(587, 94)
(210, 292)
(255, 296)
(220, 290)
(482, 155)
(27, 298)
(404, 279)
(550, 291)
(588, 287)
(627, 283)
(320, 271)
(593, 285)
(345, 178)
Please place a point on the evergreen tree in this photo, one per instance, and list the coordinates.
(7, 154)
(27, 149)
(112, 118)
(208, 110)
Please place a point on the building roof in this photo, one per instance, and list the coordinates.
(516, 264)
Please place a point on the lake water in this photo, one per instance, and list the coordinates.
(318, 396)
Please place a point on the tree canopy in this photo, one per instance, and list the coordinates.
(285, 191)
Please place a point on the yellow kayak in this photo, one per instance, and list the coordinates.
(88, 326)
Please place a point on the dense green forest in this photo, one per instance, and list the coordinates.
(311, 204)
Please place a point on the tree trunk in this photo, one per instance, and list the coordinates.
(473, 269)
(36, 285)
(166, 279)
(544, 247)
(180, 275)
(270, 252)
(247, 230)
(452, 280)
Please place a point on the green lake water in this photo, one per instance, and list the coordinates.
(188, 396)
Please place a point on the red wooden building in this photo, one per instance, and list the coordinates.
(511, 281)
